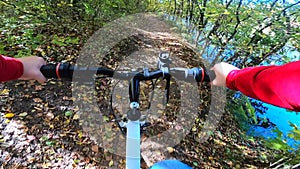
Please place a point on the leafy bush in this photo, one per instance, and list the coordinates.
(20, 21)
(243, 111)
(290, 153)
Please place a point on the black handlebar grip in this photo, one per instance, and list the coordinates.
(203, 75)
(209, 75)
(49, 70)
(62, 71)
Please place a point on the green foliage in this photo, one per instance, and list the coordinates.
(245, 116)
(18, 36)
(107, 10)
(291, 154)
(254, 30)
(278, 143)
(22, 22)
(61, 10)
(295, 133)
(243, 112)
(65, 41)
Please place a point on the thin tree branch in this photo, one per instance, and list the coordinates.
(237, 21)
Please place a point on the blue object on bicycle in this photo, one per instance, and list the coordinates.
(170, 164)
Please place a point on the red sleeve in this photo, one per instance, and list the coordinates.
(10, 68)
(277, 85)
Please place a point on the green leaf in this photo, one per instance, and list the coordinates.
(44, 138)
(50, 143)
(59, 43)
(68, 113)
(278, 132)
(70, 40)
(293, 125)
(277, 146)
(105, 119)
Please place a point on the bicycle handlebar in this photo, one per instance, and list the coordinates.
(65, 71)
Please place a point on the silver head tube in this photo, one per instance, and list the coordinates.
(164, 62)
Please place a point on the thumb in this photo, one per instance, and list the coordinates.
(40, 78)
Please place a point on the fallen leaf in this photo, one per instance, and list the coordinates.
(95, 148)
(30, 138)
(23, 114)
(68, 113)
(170, 149)
(30, 159)
(111, 163)
(50, 115)
(4, 92)
(38, 88)
(160, 106)
(37, 100)
(37, 108)
(76, 117)
(51, 126)
(9, 115)
(118, 96)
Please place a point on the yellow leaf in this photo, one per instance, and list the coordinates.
(9, 115)
(76, 117)
(170, 149)
(111, 163)
(80, 134)
(4, 92)
(118, 96)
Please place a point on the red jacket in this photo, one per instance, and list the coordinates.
(277, 85)
(10, 68)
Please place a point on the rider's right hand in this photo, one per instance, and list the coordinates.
(222, 70)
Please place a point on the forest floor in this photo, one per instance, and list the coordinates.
(42, 127)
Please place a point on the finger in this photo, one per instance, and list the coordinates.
(41, 79)
(213, 83)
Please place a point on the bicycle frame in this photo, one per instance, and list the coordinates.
(133, 148)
